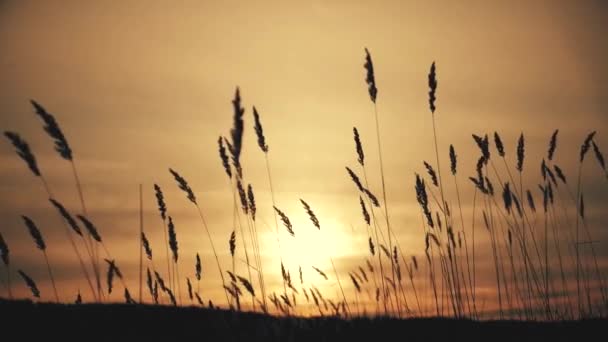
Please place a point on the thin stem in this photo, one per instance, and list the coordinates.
(71, 239)
(217, 260)
(276, 222)
(377, 242)
(388, 226)
(48, 266)
(340, 285)
(141, 232)
(84, 211)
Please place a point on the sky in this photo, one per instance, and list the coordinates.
(140, 87)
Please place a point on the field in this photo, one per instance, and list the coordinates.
(28, 321)
(490, 234)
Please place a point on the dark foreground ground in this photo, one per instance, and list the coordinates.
(27, 321)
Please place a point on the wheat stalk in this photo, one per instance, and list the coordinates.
(183, 185)
(5, 256)
(39, 240)
(162, 209)
(30, 283)
(63, 148)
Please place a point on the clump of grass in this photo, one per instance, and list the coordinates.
(63, 148)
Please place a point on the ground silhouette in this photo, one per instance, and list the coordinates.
(27, 321)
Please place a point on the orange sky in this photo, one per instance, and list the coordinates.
(138, 87)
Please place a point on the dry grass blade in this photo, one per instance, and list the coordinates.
(560, 174)
(128, 298)
(552, 145)
(242, 197)
(372, 248)
(247, 285)
(355, 282)
(232, 243)
(198, 299)
(146, 245)
(183, 185)
(173, 239)
(171, 296)
(585, 146)
(224, 156)
(366, 216)
(232, 276)
(66, 215)
(363, 274)
(489, 186)
(198, 267)
(355, 179)
(259, 131)
(370, 77)
(320, 272)
(507, 197)
(251, 201)
(520, 153)
(311, 214)
(236, 133)
(35, 233)
(386, 251)
(432, 88)
(599, 156)
(90, 228)
(422, 198)
(452, 160)
(500, 147)
(160, 281)
(149, 282)
(286, 221)
(359, 147)
(112, 270)
(23, 150)
(30, 283)
(160, 200)
(4, 251)
(301, 277)
(531, 201)
(372, 197)
(189, 289)
(52, 128)
(484, 146)
(431, 173)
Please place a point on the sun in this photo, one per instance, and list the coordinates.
(311, 246)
